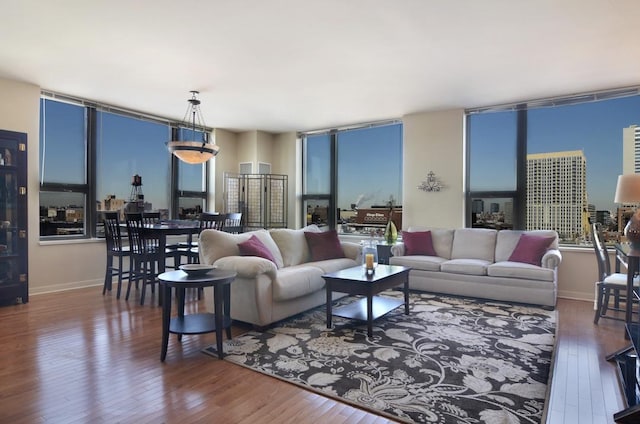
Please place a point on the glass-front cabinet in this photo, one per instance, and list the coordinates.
(14, 287)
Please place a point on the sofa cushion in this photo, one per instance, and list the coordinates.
(333, 265)
(441, 238)
(426, 263)
(508, 239)
(530, 249)
(520, 270)
(418, 243)
(324, 245)
(296, 281)
(293, 244)
(466, 266)
(214, 244)
(474, 243)
(254, 247)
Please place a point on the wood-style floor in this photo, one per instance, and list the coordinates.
(80, 357)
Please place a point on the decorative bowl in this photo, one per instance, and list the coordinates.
(196, 269)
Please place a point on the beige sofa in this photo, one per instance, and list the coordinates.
(475, 263)
(265, 292)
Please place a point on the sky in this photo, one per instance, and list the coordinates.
(595, 128)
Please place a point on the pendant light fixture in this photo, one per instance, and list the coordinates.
(190, 150)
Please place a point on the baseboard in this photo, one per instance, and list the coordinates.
(575, 295)
(64, 286)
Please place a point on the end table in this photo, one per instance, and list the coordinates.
(196, 323)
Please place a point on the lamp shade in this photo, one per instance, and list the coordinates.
(628, 189)
(193, 152)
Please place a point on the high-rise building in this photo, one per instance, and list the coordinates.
(477, 206)
(557, 193)
(631, 150)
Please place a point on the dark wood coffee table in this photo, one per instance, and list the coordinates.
(356, 281)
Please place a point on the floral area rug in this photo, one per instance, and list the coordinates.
(451, 360)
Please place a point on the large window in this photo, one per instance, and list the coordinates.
(95, 158)
(351, 171)
(553, 164)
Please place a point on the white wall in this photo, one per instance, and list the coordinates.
(433, 142)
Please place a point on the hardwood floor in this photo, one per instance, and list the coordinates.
(80, 357)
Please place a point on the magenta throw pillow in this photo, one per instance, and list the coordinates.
(324, 245)
(254, 247)
(418, 243)
(530, 249)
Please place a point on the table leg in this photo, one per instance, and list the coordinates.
(631, 271)
(180, 295)
(166, 319)
(227, 307)
(370, 315)
(406, 295)
(328, 288)
(217, 306)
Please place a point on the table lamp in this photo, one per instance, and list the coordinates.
(628, 191)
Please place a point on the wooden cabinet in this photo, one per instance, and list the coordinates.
(14, 287)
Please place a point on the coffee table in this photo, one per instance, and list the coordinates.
(356, 281)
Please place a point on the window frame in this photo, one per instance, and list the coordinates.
(332, 196)
(89, 188)
(519, 196)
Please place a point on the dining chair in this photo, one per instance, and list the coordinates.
(144, 253)
(115, 250)
(233, 223)
(608, 283)
(208, 221)
(149, 218)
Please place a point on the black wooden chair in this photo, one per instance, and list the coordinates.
(608, 283)
(116, 250)
(233, 223)
(208, 221)
(144, 254)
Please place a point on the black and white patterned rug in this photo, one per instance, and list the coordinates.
(451, 360)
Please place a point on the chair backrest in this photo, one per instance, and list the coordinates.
(602, 255)
(150, 217)
(140, 242)
(211, 221)
(233, 223)
(112, 232)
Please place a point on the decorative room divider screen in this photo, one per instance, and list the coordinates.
(262, 199)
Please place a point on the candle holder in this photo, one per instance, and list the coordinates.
(369, 256)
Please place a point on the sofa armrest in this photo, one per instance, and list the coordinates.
(397, 249)
(551, 259)
(352, 250)
(247, 266)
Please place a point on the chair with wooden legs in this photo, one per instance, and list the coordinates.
(233, 223)
(208, 221)
(608, 283)
(145, 255)
(115, 250)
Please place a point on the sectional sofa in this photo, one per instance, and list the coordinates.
(506, 265)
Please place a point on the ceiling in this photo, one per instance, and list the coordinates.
(296, 65)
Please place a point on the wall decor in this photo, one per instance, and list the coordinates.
(431, 183)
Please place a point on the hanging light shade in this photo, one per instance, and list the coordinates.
(194, 151)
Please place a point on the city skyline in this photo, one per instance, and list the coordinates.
(596, 128)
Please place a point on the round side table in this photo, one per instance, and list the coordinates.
(196, 323)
